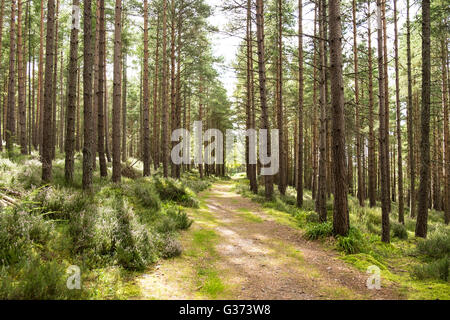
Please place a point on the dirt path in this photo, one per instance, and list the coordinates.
(236, 250)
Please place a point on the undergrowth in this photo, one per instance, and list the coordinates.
(124, 227)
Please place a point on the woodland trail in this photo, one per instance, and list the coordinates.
(236, 250)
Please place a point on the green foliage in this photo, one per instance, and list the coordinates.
(319, 230)
(19, 231)
(43, 280)
(147, 195)
(172, 190)
(353, 243)
(438, 269)
(312, 217)
(399, 231)
(437, 246)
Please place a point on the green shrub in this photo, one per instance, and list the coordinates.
(399, 231)
(38, 279)
(172, 190)
(134, 247)
(312, 217)
(169, 247)
(439, 269)
(196, 185)
(180, 218)
(147, 196)
(353, 243)
(437, 246)
(19, 230)
(319, 230)
(81, 229)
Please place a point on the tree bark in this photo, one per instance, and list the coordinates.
(341, 223)
(446, 132)
(401, 214)
(71, 97)
(47, 108)
(321, 192)
(88, 125)
(10, 120)
(424, 187)
(117, 170)
(21, 80)
(165, 110)
(371, 152)
(300, 108)
(268, 180)
(384, 174)
(280, 112)
(145, 110)
(101, 91)
(410, 116)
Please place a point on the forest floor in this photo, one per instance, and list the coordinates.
(237, 250)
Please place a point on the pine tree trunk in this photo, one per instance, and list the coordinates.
(21, 80)
(446, 132)
(172, 81)
(40, 100)
(410, 116)
(268, 180)
(145, 109)
(88, 128)
(299, 178)
(101, 90)
(165, 110)
(384, 173)
(341, 223)
(401, 214)
(47, 106)
(280, 113)
(10, 120)
(156, 121)
(386, 98)
(117, 170)
(251, 168)
(424, 187)
(357, 120)
(124, 107)
(371, 152)
(322, 182)
(71, 97)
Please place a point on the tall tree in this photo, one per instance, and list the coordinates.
(251, 168)
(371, 149)
(101, 91)
(444, 54)
(424, 187)
(145, 111)
(279, 93)
(341, 223)
(384, 173)
(165, 110)
(300, 107)
(156, 120)
(401, 208)
(322, 181)
(268, 179)
(47, 107)
(72, 94)
(357, 124)
(21, 80)
(40, 100)
(117, 169)
(411, 157)
(88, 125)
(10, 120)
